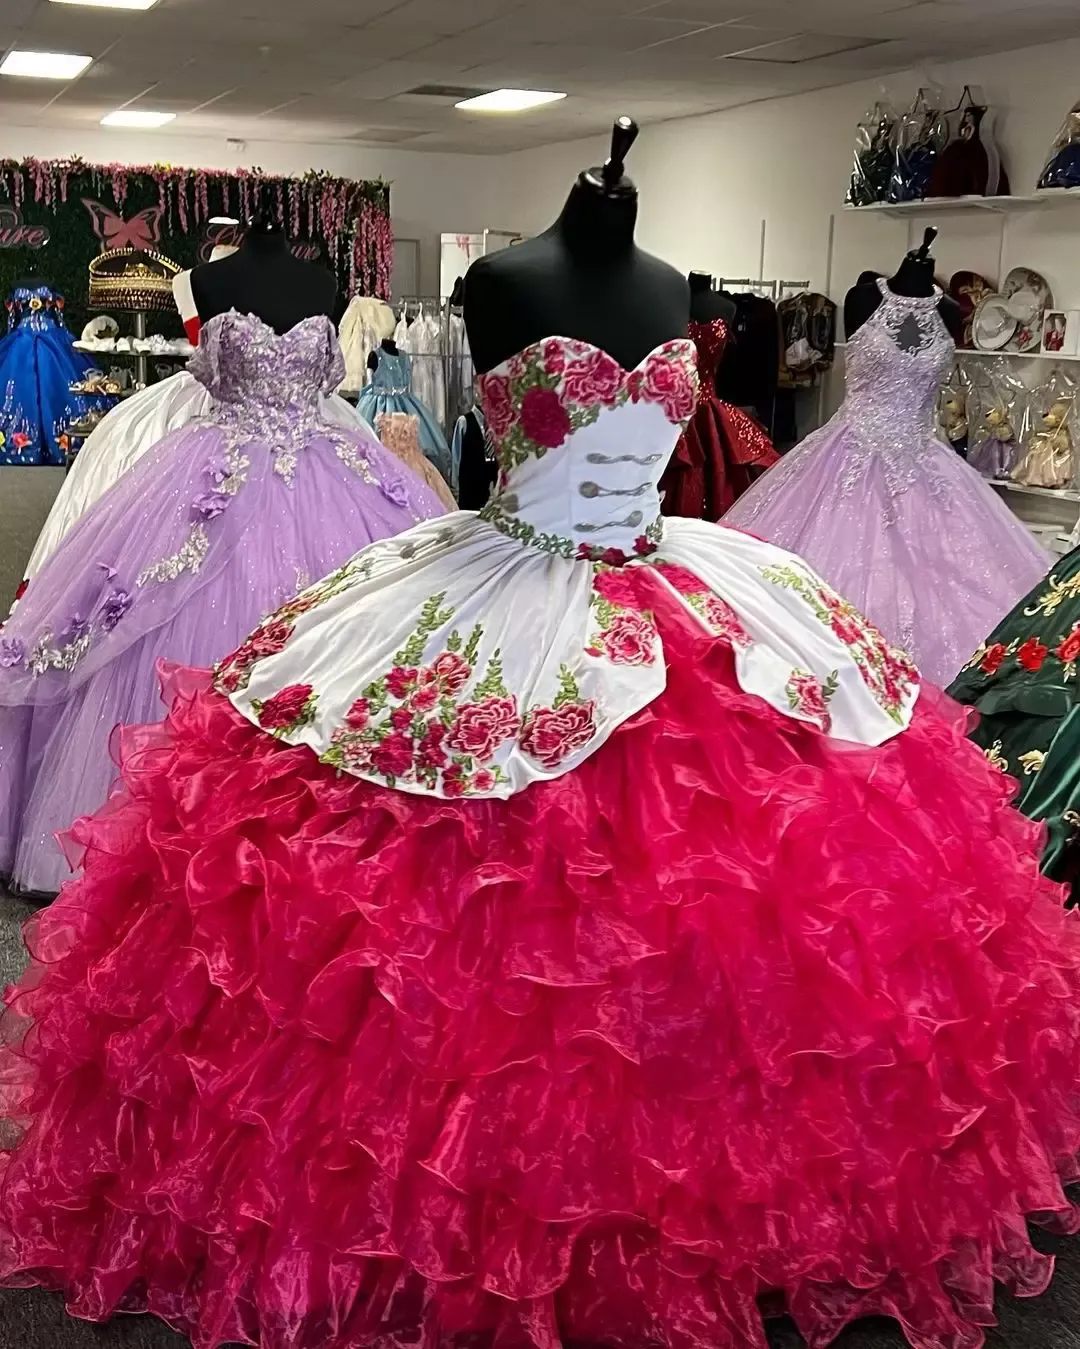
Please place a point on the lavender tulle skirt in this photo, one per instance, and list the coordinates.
(179, 560)
(927, 550)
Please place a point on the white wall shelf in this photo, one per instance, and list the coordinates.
(1049, 197)
(968, 353)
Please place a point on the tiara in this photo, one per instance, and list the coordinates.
(132, 278)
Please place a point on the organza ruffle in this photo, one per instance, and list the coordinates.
(732, 1011)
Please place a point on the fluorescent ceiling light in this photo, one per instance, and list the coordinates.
(44, 65)
(223, 220)
(508, 100)
(111, 4)
(137, 117)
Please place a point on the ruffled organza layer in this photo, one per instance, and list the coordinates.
(733, 1011)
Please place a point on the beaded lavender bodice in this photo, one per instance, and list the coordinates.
(896, 364)
(243, 363)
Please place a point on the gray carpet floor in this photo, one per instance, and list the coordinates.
(26, 495)
(33, 1320)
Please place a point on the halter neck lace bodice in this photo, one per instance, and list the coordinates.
(896, 364)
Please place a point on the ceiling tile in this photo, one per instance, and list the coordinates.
(341, 69)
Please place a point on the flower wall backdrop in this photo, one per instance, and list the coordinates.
(55, 215)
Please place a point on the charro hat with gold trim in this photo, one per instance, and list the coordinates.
(132, 278)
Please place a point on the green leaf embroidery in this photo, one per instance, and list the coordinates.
(568, 688)
(431, 619)
(491, 686)
(473, 644)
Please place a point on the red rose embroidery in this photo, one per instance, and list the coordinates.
(596, 378)
(482, 727)
(617, 587)
(544, 419)
(628, 640)
(268, 640)
(425, 698)
(484, 781)
(643, 546)
(614, 557)
(401, 718)
(358, 715)
(681, 578)
(430, 753)
(667, 382)
(454, 781)
(1032, 654)
(284, 709)
(229, 679)
(724, 621)
(452, 672)
(554, 357)
(848, 629)
(498, 404)
(1069, 650)
(991, 661)
(393, 756)
(552, 734)
(400, 682)
(806, 696)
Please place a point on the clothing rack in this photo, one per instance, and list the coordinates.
(775, 290)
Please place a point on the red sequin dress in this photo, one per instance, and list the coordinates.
(723, 451)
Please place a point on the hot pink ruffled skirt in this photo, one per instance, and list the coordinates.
(733, 1016)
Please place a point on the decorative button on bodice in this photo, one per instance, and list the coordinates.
(560, 414)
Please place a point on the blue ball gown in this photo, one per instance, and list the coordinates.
(390, 390)
(38, 364)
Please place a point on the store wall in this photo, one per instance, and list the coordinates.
(430, 193)
(708, 183)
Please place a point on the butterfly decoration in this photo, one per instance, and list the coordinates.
(141, 231)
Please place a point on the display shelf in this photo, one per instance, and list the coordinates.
(974, 353)
(1053, 493)
(175, 353)
(1048, 197)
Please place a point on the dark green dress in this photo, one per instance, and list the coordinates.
(1024, 683)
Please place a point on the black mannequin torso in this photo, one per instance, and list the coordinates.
(583, 278)
(389, 346)
(915, 278)
(707, 304)
(263, 278)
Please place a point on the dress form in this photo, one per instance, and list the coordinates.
(263, 278)
(707, 304)
(914, 278)
(583, 277)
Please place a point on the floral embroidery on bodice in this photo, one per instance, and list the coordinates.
(34, 307)
(582, 443)
(896, 364)
(245, 365)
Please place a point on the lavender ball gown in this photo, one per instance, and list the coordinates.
(213, 528)
(887, 512)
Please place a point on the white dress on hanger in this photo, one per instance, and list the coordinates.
(365, 323)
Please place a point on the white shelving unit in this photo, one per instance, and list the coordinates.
(1034, 201)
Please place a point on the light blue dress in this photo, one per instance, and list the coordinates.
(390, 390)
